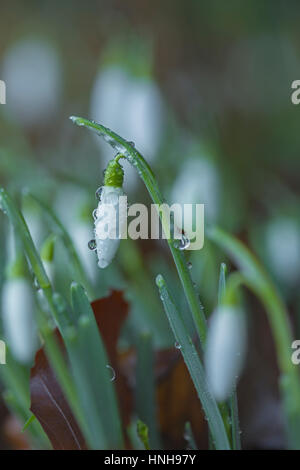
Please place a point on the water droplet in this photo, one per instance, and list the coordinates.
(130, 142)
(184, 243)
(190, 265)
(36, 284)
(98, 193)
(95, 212)
(92, 244)
(177, 345)
(113, 373)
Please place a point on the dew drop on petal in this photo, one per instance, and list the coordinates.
(92, 244)
(113, 373)
(184, 243)
(95, 214)
(98, 193)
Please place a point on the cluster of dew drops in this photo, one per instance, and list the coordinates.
(92, 243)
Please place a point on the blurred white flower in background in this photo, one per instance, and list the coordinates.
(32, 72)
(225, 350)
(283, 249)
(69, 200)
(132, 107)
(198, 183)
(18, 309)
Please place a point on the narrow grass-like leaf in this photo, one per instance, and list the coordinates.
(195, 368)
(222, 282)
(257, 280)
(52, 349)
(189, 436)
(92, 375)
(145, 395)
(30, 420)
(15, 378)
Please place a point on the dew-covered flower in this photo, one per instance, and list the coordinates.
(225, 350)
(110, 215)
(31, 68)
(18, 318)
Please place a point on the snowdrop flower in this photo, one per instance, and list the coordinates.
(225, 350)
(32, 71)
(198, 182)
(18, 318)
(132, 106)
(283, 249)
(110, 215)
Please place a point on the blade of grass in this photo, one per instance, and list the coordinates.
(189, 436)
(92, 376)
(15, 378)
(257, 280)
(52, 349)
(195, 367)
(145, 395)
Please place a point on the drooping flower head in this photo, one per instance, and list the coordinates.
(110, 214)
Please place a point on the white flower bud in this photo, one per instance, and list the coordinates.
(225, 350)
(110, 220)
(18, 318)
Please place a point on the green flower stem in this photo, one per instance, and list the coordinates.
(257, 280)
(128, 150)
(52, 349)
